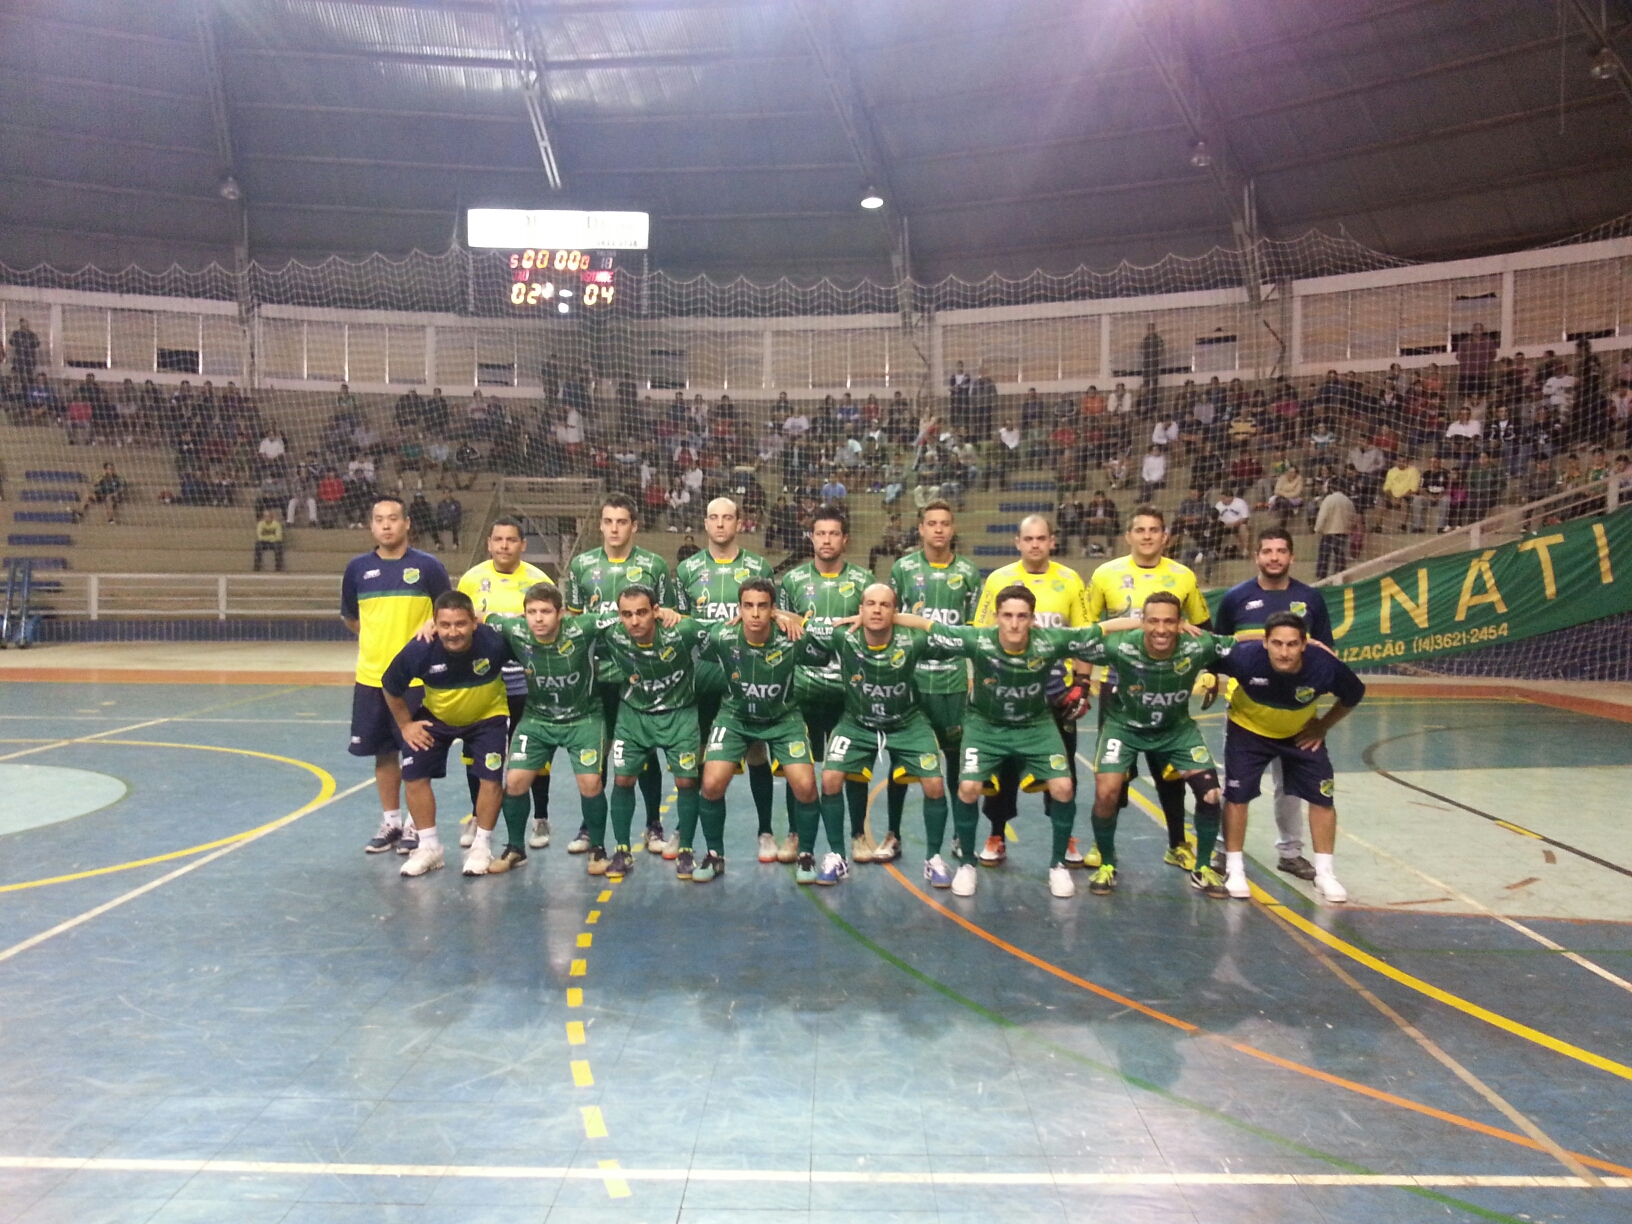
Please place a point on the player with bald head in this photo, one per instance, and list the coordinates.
(707, 585)
(876, 659)
(1062, 603)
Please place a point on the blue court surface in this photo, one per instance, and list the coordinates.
(215, 1007)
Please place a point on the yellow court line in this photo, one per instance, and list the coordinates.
(575, 1033)
(575, 996)
(578, 968)
(1535, 1036)
(326, 785)
(585, 939)
(594, 1123)
(581, 1078)
(616, 1187)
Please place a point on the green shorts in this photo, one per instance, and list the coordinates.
(913, 753)
(821, 704)
(1036, 747)
(1181, 747)
(786, 741)
(534, 741)
(945, 712)
(639, 735)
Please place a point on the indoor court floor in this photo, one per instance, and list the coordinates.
(214, 1007)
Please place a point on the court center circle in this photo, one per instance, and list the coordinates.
(36, 795)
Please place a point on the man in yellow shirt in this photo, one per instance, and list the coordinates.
(499, 585)
(1119, 588)
(1062, 603)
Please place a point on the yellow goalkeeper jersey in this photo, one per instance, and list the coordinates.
(1120, 587)
(500, 594)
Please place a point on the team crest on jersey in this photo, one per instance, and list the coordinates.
(1327, 786)
(1298, 608)
(772, 658)
(1199, 754)
(741, 575)
(1059, 587)
(1127, 582)
(796, 748)
(954, 581)
(487, 584)
(1036, 663)
(688, 760)
(1135, 689)
(481, 666)
(847, 588)
(411, 575)
(494, 760)
(666, 653)
(1056, 760)
(633, 573)
(928, 760)
(565, 649)
(810, 590)
(1304, 695)
(1181, 666)
(898, 658)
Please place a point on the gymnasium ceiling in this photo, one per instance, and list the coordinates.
(1010, 134)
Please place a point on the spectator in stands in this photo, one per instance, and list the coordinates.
(347, 410)
(834, 492)
(1485, 483)
(1287, 497)
(1246, 470)
(270, 454)
(679, 504)
(1121, 401)
(959, 387)
(1101, 525)
(1462, 437)
(1152, 473)
(982, 407)
(467, 461)
(1504, 438)
(1151, 348)
(1433, 493)
(23, 347)
(848, 417)
(655, 498)
(223, 491)
(1333, 523)
(303, 488)
(269, 539)
(1400, 485)
(1475, 359)
(795, 421)
(438, 418)
(1620, 414)
(109, 491)
(410, 411)
(450, 515)
(360, 468)
(1068, 522)
(1191, 522)
(1621, 475)
(331, 495)
(1196, 429)
(894, 542)
(1006, 454)
(824, 426)
(1165, 435)
(1235, 517)
(127, 410)
(81, 431)
(1117, 471)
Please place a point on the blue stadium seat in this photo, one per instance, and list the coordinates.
(993, 550)
(39, 541)
(1032, 486)
(42, 516)
(51, 476)
(50, 495)
(1003, 528)
(40, 563)
(1042, 507)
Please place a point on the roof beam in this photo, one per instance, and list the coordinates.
(231, 187)
(685, 59)
(527, 50)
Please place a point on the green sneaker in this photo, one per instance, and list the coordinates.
(805, 872)
(1208, 881)
(711, 866)
(1103, 880)
(1180, 856)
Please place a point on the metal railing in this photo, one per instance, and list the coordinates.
(1502, 527)
(190, 596)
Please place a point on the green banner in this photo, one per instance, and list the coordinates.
(1555, 578)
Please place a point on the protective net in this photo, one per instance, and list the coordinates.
(1233, 392)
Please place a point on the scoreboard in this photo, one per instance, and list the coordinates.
(557, 262)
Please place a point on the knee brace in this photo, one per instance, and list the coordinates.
(1200, 784)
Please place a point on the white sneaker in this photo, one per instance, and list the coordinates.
(540, 836)
(580, 843)
(963, 884)
(426, 858)
(671, 848)
(1060, 883)
(1238, 887)
(888, 850)
(655, 840)
(767, 847)
(788, 851)
(479, 859)
(467, 832)
(1329, 890)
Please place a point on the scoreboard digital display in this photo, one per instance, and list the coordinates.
(562, 281)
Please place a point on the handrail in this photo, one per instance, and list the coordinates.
(94, 596)
(1506, 524)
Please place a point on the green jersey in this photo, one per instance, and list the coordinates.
(594, 582)
(758, 679)
(707, 589)
(560, 674)
(1154, 694)
(877, 680)
(946, 594)
(821, 599)
(1012, 689)
(662, 676)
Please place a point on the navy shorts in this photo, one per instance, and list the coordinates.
(1308, 775)
(485, 745)
(373, 730)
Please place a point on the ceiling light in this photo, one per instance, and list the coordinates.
(1200, 155)
(872, 199)
(229, 189)
(562, 307)
(1603, 66)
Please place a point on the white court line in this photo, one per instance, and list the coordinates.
(35, 941)
(801, 1176)
(39, 718)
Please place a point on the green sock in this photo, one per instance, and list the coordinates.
(650, 781)
(594, 810)
(934, 825)
(809, 816)
(966, 824)
(895, 799)
(713, 813)
(685, 814)
(833, 821)
(1208, 816)
(1105, 838)
(516, 809)
(623, 813)
(1063, 816)
(760, 785)
(855, 797)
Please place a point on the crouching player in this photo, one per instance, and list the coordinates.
(1010, 723)
(1272, 718)
(464, 700)
(563, 710)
